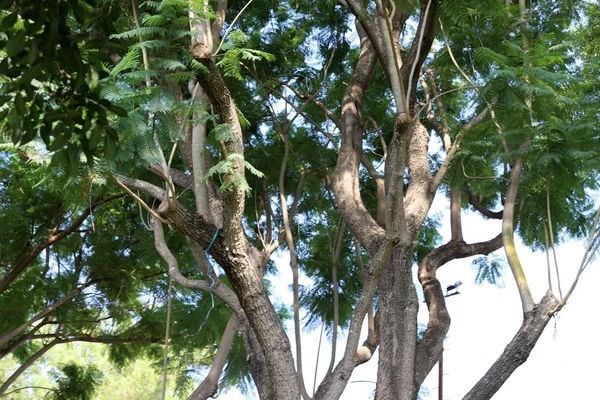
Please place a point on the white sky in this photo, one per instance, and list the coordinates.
(563, 364)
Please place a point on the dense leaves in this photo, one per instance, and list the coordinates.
(504, 87)
(53, 58)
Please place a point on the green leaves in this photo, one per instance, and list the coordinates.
(57, 95)
(235, 54)
(76, 382)
(232, 175)
(489, 269)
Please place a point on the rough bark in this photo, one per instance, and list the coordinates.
(517, 351)
(398, 306)
(254, 353)
(345, 178)
(244, 267)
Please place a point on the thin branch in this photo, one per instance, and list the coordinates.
(26, 365)
(6, 337)
(337, 248)
(50, 240)
(552, 237)
(419, 44)
(294, 263)
(146, 63)
(4, 351)
(230, 27)
(393, 66)
(464, 75)
(584, 262)
(141, 202)
(167, 335)
(548, 255)
(29, 387)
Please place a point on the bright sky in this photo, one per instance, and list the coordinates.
(484, 319)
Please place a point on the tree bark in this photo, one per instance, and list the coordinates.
(398, 306)
(517, 351)
(244, 267)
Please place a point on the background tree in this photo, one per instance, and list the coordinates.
(326, 129)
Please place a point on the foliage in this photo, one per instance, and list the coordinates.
(73, 74)
(489, 269)
(77, 382)
(58, 102)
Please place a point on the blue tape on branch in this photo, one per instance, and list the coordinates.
(213, 240)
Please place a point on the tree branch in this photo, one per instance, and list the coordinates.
(508, 238)
(346, 178)
(210, 384)
(54, 237)
(517, 351)
(430, 348)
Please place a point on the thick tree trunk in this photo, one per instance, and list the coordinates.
(517, 351)
(398, 306)
(244, 267)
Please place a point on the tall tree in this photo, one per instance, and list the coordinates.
(313, 126)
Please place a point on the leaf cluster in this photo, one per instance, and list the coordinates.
(51, 67)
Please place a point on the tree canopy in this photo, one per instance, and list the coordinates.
(318, 130)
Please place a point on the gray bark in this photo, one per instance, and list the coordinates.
(517, 351)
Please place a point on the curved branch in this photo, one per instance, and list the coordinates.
(474, 201)
(430, 348)
(346, 178)
(218, 288)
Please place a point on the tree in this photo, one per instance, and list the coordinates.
(295, 130)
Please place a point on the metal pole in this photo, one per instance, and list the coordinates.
(441, 377)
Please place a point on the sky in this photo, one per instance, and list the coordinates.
(563, 365)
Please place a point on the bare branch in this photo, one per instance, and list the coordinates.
(508, 239)
(517, 351)
(210, 384)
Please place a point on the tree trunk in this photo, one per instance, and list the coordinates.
(398, 306)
